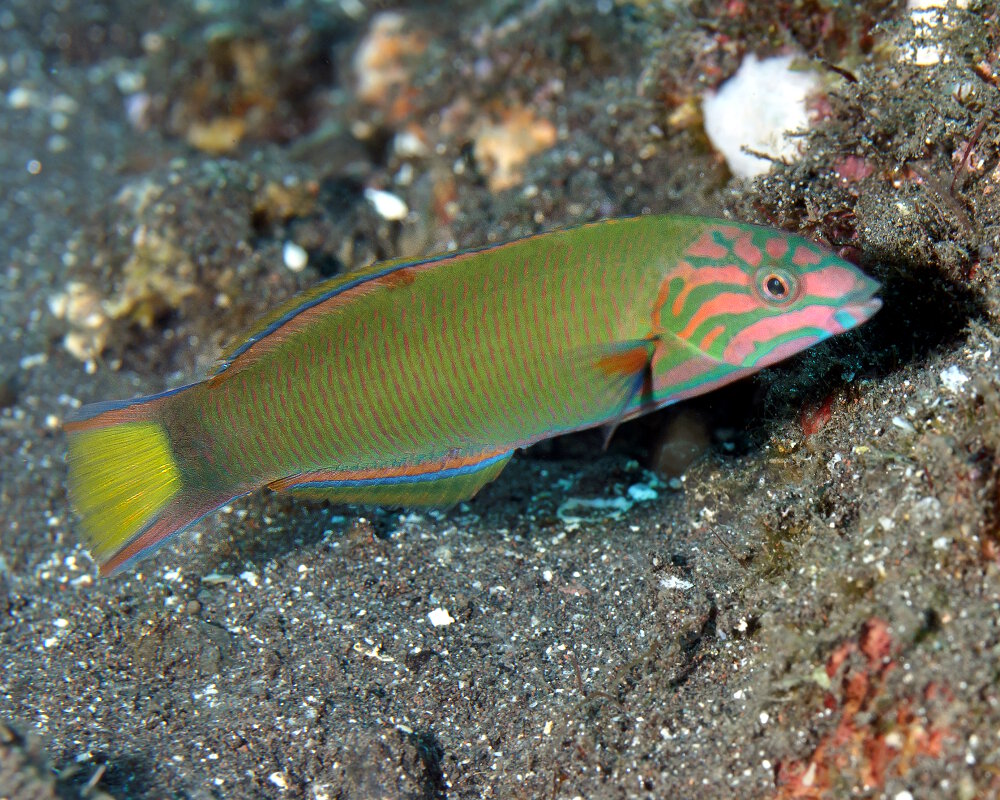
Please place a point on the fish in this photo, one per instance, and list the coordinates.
(413, 382)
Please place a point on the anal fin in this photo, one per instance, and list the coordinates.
(443, 483)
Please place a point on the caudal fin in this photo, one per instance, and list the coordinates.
(125, 482)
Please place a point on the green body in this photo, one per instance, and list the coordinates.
(486, 350)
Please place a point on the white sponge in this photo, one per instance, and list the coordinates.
(756, 108)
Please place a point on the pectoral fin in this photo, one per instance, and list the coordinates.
(631, 362)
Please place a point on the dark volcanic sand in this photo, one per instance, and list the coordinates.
(812, 611)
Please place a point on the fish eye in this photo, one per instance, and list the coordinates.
(776, 287)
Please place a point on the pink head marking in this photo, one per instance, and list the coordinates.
(772, 328)
(746, 250)
(776, 247)
(832, 281)
(707, 247)
(805, 256)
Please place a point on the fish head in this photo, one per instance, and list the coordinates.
(749, 296)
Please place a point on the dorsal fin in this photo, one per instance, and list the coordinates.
(245, 351)
(309, 298)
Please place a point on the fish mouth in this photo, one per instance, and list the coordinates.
(865, 310)
(860, 310)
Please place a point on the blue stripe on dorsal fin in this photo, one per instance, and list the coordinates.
(302, 301)
(91, 410)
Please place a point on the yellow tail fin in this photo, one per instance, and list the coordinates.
(121, 477)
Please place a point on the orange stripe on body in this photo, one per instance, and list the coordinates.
(721, 305)
(693, 277)
(710, 337)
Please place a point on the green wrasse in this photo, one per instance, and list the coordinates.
(413, 382)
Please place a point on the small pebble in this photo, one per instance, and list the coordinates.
(295, 256)
(19, 97)
(388, 205)
(440, 617)
(278, 779)
(408, 145)
(954, 379)
(903, 424)
(251, 578)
